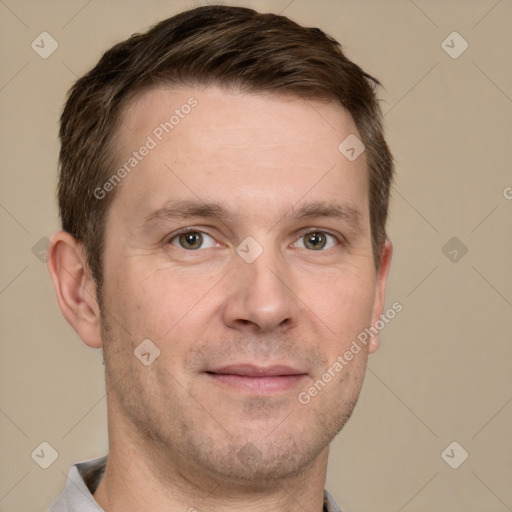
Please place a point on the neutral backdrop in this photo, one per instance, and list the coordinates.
(443, 371)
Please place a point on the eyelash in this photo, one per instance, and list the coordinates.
(341, 240)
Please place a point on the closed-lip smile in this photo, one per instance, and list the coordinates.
(258, 380)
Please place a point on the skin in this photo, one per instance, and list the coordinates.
(178, 438)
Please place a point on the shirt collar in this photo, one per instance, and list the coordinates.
(84, 478)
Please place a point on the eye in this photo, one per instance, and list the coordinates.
(192, 240)
(317, 240)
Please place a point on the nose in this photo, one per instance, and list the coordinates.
(261, 297)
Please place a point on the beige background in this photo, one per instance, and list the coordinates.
(442, 373)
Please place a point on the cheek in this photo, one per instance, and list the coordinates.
(134, 301)
(343, 303)
(156, 302)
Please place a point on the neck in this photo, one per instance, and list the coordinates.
(142, 476)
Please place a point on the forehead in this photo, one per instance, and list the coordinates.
(226, 119)
(221, 145)
(212, 97)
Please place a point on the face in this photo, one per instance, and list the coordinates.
(239, 244)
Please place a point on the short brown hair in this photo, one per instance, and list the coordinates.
(212, 45)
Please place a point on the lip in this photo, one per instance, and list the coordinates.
(251, 370)
(258, 380)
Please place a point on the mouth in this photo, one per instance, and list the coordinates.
(257, 380)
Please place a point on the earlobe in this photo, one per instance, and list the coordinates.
(75, 287)
(380, 292)
(374, 344)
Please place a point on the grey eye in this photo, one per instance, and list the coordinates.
(192, 240)
(316, 241)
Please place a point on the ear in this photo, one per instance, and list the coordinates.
(75, 287)
(380, 291)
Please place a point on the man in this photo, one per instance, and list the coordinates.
(224, 188)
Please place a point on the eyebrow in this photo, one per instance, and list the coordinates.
(186, 209)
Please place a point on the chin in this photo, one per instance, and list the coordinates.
(261, 464)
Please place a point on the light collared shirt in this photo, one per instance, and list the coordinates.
(84, 478)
